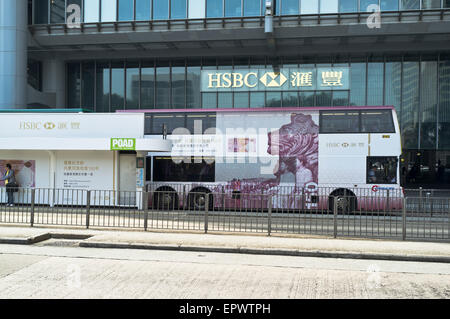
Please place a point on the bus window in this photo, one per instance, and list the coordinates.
(154, 122)
(208, 121)
(339, 122)
(148, 124)
(168, 169)
(381, 170)
(377, 121)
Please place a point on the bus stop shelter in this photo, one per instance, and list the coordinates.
(79, 151)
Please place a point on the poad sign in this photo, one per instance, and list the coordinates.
(123, 144)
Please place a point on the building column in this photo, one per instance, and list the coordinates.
(13, 54)
(54, 81)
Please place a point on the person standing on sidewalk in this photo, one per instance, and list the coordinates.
(10, 183)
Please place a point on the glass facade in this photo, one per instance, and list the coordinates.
(108, 10)
(126, 10)
(163, 84)
(252, 8)
(178, 9)
(214, 8)
(410, 4)
(143, 10)
(160, 9)
(91, 11)
(349, 5)
(233, 8)
(444, 104)
(132, 85)
(389, 5)
(417, 86)
(289, 7)
(53, 11)
(88, 84)
(147, 85)
(409, 114)
(431, 4)
(329, 6)
(375, 82)
(41, 11)
(309, 7)
(74, 85)
(102, 87)
(196, 9)
(57, 11)
(117, 86)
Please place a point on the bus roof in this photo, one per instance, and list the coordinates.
(265, 109)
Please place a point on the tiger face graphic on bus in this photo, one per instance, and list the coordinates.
(297, 146)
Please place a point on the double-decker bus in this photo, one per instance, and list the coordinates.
(305, 157)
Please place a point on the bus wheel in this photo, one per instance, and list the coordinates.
(197, 199)
(165, 199)
(345, 199)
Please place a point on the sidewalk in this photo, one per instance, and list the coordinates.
(234, 243)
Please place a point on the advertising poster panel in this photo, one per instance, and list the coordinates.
(24, 170)
(282, 148)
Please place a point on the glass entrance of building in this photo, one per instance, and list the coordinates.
(426, 169)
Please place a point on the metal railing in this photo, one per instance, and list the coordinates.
(393, 217)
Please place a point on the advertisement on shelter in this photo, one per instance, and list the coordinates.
(24, 171)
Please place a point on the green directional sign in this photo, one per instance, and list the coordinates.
(123, 144)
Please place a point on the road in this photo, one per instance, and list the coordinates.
(60, 269)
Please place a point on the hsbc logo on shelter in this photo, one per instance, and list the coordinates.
(30, 126)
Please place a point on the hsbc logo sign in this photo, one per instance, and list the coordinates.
(232, 80)
(272, 79)
(288, 79)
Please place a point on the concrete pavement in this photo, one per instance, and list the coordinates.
(234, 243)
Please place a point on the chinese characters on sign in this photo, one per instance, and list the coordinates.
(301, 79)
(187, 145)
(78, 174)
(331, 78)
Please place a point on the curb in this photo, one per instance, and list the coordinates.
(25, 241)
(268, 251)
(43, 237)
